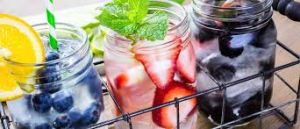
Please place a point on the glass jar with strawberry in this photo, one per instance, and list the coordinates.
(233, 39)
(149, 60)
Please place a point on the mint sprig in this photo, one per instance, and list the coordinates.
(130, 18)
(154, 27)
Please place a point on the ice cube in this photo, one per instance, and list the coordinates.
(23, 114)
(19, 110)
(83, 96)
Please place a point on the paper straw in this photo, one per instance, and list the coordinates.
(52, 24)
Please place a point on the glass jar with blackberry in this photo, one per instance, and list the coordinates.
(233, 39)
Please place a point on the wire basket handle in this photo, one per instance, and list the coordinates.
(289, 8)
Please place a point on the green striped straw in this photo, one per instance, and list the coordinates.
(52, 24)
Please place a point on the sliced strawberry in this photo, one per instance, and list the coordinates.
(186, 64)
(160, 64)
(166, 116)
(130, 77)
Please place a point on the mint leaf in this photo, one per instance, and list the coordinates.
(121, 25)
(116, 10)
(120, 1)
(115, 17)
(138, 10)
(155, 27)
(130, 18)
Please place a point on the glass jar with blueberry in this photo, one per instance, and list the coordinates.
(65, 91)
(233, 39)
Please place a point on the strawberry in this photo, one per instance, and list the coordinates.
(130, 77)
(166, 116)
(186, 64)
(160, 64)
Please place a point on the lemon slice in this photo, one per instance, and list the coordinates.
(19, 43)
(8, 87)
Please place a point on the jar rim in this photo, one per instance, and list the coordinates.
(253, 10)
(81, 33)
(243, 18)
(266, 2)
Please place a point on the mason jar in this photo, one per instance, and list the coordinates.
(64, 91)
(233, 39)
(150, 73)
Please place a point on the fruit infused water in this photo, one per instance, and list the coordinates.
(150, 62)
(233, 39)
(65, 91)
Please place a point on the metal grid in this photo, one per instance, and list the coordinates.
(6, 121)
(264, 111)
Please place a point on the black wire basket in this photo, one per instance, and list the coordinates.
(288, 120)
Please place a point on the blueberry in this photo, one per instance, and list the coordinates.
(94, 84)
(92, 114)
(95, 88)
(41, 102)
(233, 45)
(28, 101)
(62, 102)
(43, 126)
(62, 122)
(52, 56)
(230, 52)
(47, 78)
(49, 75)
(74, 116)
